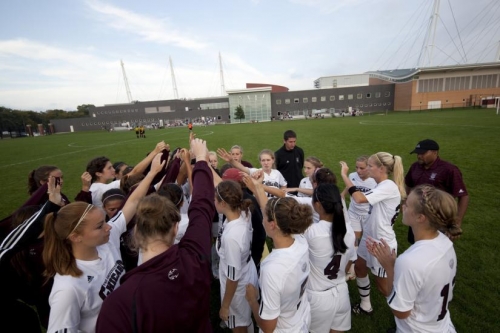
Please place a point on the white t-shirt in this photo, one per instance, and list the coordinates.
(234, 249)
(272, 179)
(322, 258)
(424, 278)
(361, 209)
(283, 279)
(305, 183)
(385, 202)
(98, 189)
(75, 302)
(183, 224)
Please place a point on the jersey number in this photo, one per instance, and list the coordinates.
(444, 293)
(332, 269)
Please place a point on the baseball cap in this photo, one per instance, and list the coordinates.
(232, 174)
(424, 146)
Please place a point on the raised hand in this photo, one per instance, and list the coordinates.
(344, 168)
(381, 250)
(222, 153)
(54, 191)
(157, 165)
(86, 181)
(199, 149)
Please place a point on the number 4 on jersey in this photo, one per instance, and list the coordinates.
(332, 269)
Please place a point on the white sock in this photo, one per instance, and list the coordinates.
(364, 292)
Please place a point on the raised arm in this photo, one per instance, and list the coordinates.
(356, 195)
(142, 165)
(130, 206)
(227, 157)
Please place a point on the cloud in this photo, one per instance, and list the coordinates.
(328, 6)
(149, 28)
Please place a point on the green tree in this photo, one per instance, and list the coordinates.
(84, 109)
(239, 114)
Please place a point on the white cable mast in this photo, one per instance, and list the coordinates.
(429, 45)
(174, 83)
(497, 58)
(222, 85)
(127, 88)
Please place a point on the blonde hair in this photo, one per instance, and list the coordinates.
(439, 207)
(394, 165)
(58, 252)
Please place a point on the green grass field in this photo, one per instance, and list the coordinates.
(468, 138)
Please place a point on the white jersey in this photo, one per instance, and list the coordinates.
(183, 224)
(327, 269)
(75, 302)
(305, 183)
(98, 189)
(361, 209)
(425, 295)
(272, 179)
(234, 249)
(283, 279)
(385, 202)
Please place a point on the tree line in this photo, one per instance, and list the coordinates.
(15, 121)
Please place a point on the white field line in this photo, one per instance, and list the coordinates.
(419, 124)
(73, 145)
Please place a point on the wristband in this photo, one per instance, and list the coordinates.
(353, 189)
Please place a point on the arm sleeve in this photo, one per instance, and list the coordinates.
(233, 252)
(26, 232)
(282, 180)
(406, 286)
(381, 193)
(64, 311)
(457, 183)
(172, 171)
(409, 179)
(270, 305)
(201, 211)
(84, 196)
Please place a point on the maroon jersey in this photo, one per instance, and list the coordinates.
(441, 174)
(170, 292)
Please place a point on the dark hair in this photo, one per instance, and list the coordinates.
(291, 217)
(155, 217)
(225, 167)
(324, 176)
(112, 194)
(127, 170)
(129, 181)
(97, 165)
(117, 166)
(328, 195)
(173, 192)
(37, 175)
(231, 193)
(289, 134)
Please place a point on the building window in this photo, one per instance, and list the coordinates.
(314, 99)
(359, 96)
(287, 101)
(377, 95)
(387, 94)
(278, 101)
(368, 95)
(350, 96)
(334, 83)
(295, 100)
(332, 98)
(341, 97)
(305, 100)
(323, 98)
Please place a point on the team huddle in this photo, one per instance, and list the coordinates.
(139, 247)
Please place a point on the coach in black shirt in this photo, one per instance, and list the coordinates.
(290, 159)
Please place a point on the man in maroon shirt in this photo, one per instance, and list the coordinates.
(430, 169)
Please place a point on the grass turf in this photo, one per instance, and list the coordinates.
(468, 138)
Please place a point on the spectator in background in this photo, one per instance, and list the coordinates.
(430, 169)
(290, 159)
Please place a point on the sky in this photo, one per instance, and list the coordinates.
(58, 54)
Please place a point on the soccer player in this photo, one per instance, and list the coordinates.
(284, 306)
(419, 300)
(331, 252)
(170, 290)
(305, 189)
(236, 267)
(358, 212)
(385, 201)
